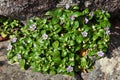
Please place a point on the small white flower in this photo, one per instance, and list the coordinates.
(100, 53)
(14, 39)
(32, 27)
(9, 47)
(93, 27)
(45, 36)
(19, 56)
(67, 6)
(108, 32)
(91, 14)
(31, 20)
(84, 34)
(69, 68)
(23, 42)
(107, 29)
(86, 20)
(72, 17)
(103, 11)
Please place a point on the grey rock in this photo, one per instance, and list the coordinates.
(24, 9)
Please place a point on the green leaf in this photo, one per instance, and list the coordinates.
(55, 44)
(77, 48)
(37, 19)
(3, 34)
(101, 32)
(86, 28)
(52, 72)
(77, 14)
(36, 45)
(61, 68)
(100, 42)
(72, 63)
(63, 18)
(20, 47)
(67, 25)
(86, 11)
(22, 64)
(79, 39)
(49, 58)
(91, 45)
(64, 53)
(10, 55)
(35, 35)
(49, 13)
(71, 55)
(56, 53)
(66, 37)
(72, 42)
(76, 7)
(5, 23)
(57, 60)
(83, 62)
(64, 60)
(45, 68)
(76, 25)
(55, 20)
(43, 31)
(95, 37)
(58, 12)
(57, 28)
(56, 36)
(29, 40)
(107, 15)
(44, 21)
(73, 37)
(101, 46)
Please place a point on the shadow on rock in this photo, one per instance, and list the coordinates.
(2, 63)
(115, 35)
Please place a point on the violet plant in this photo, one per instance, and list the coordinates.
(62, 43)
(8, 26)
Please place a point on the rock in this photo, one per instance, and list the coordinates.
(105, 62)
(24, 9)
(105, 69)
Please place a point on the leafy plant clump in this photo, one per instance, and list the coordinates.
(8, 26)
(67, 41)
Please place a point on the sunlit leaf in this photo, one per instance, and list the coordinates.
(22, 64)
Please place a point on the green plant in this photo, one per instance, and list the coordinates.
(67, 41)
(7, 26)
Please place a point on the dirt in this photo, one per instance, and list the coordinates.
(107, 68)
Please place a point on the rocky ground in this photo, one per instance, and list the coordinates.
(107, 68)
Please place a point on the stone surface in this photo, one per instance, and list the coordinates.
(105, 69)
(24, 9)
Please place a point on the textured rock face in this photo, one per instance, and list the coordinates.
(23, 9)
(109, 5)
